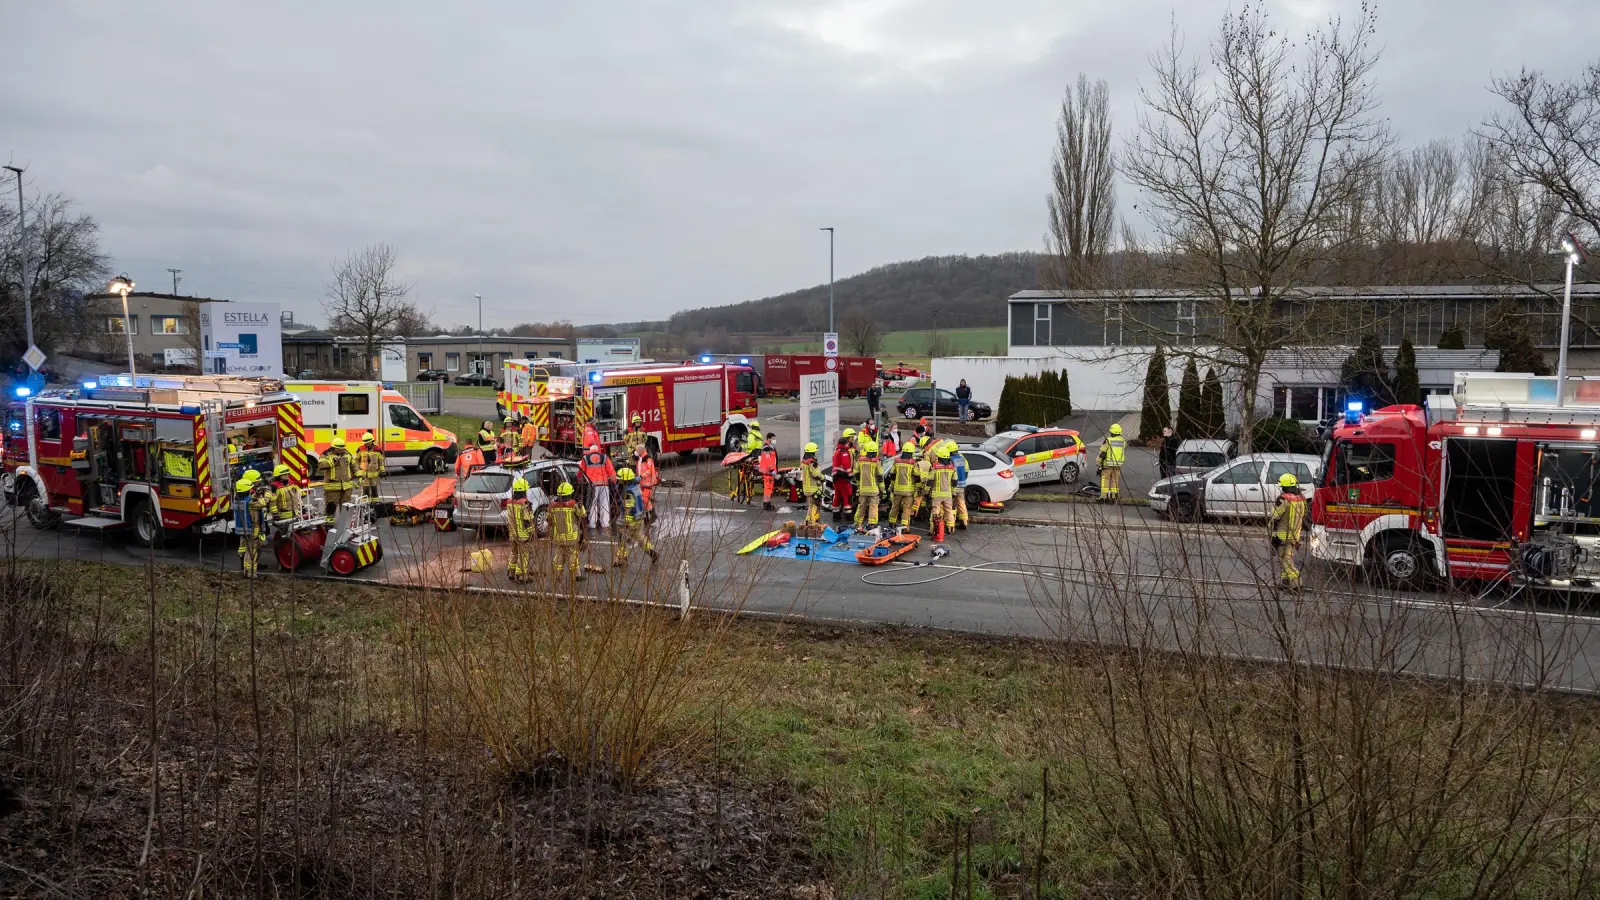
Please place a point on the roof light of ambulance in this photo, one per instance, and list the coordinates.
(1469, 429)
(705, 358)
(23, 392)
(90, 385)
(1587, 434)
(744, 360)
(1494, 430)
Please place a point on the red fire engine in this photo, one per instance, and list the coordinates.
(158, 452)
(685, 408)
(1498, 485)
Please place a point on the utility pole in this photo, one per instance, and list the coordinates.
(480, 361)
(1573, 251)
(22, 244)
(175, 280)
(829, 230)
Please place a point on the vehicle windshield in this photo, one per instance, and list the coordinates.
(487, 483)
(997, 444)
(1201, 459)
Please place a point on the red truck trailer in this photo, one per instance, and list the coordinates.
(783, 372)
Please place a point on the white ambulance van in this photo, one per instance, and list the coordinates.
(351, 409)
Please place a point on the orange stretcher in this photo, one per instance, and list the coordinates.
(734, 458)
(416, 509)
(888, 550)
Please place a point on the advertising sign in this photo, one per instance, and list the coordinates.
(608, 350)
(242, 338)
(819, 409)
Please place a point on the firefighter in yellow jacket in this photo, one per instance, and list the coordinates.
(811, 483)
(519, 526)
(943, 515)
(869, 478)
(251, 499)
(566, 514)
(338, 470)
(370, 464)
(631, 533)
(1288, 524)
(903, 481)
(1113, 452)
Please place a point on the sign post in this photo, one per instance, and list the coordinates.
(819, 409)
(830, 343)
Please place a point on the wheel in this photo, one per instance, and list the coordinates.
(734, 442)
(342, 562)
(541, 521)
(1182, 508)
(147, 530)
(40, 515)
(1069, 473)
(976, 495)
(432, 462)
(1399, 561)
(909, 412)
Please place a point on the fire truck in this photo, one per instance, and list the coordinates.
(685, 408)
(158, 452)
(1495, 483)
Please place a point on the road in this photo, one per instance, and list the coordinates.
(1108, 576)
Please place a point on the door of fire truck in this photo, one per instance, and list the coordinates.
(610, 414)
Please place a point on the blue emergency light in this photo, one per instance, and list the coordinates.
(1352, 411)
(90, 385)
(596, 375)
(24, 391)
(706, 358)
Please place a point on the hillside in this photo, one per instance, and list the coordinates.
(960, 291)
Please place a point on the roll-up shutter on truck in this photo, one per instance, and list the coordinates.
(696, 403)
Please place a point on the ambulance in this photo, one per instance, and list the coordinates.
(351, 409)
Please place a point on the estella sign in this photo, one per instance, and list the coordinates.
(822, 389)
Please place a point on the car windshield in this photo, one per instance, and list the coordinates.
(1201, 459)
(997, 444)
(487, 483)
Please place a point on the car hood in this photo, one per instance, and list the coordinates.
(1176, 480)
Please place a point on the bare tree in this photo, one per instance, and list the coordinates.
(1084, 198)
(861, 334)
(65, 262)
(367, 300)
(1550, 138)
(1248, 174)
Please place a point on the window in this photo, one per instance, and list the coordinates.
(1041, 324)
(115, 324)
(1021, 324)
(406, 417)
(424, 360)
(979, 462)
(1200, 459)
(745, 382)
(556, 354)
(1355, 463)
(47, 424)
(529, 354)
(452, 362)
(1053, 442)
(946, 396)
(169, 325)
(1299, 470)
(355, 404)
(1025, 447)
(1304, 404)
(1242, 473)
(1113, 332)
(485, 482)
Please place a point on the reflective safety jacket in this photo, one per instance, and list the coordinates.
(633, 440)
(632, 506)
(564, 518)
(752, 443)
(961, 469)
(905, 477)
(842, 467)
(944, 480)
(597, 468)
(1112, 452)
(519, 519)
(471, 458)
(529, 435)
(646, 468)
(767, 463)
(338, 470)
(255, 513)
(868, 475)
(370, 463)
(286, 501)
(810, 478)
(485, 439)
(512, 438)
(1289, 517)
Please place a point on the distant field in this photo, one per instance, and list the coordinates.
(914, 344)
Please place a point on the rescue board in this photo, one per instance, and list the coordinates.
(779, 539)
(888, 550)
(758, 543)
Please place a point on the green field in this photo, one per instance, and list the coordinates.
(914, 344)
(464, 390)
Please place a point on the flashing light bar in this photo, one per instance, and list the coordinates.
(705, 358)
(595, 376)
(24, 391)
(1352, 412)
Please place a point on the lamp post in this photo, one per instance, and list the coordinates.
(22, 245)
(1573, 251)
(122, 285)
(480, 334)
(829, 230)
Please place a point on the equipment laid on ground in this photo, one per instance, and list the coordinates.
(993, 507)
(353, 543)
(419, 507)
(758, 543)
(888, 550)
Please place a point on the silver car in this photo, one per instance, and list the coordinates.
(482, 497)
(1246, 487)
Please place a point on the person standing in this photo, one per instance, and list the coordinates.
(250, 519)
(904, 481)
(631, 519)
(649, 480)
(767, 465)
(565, 514)
(338, 470)
(1113, 452)
(598, 474)
(868, 478)
(962, 517)
(840, 472)
(286, 497)
(635, 438)
(875, 397)
(963, 399)
(811, 484)
(370, 465)
(529, 436)
(1169, 453)
(486, 442)
(942, 516)
(519, 527)
(510, 440)
(1288, 524)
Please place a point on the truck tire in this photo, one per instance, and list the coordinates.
(147, 530)
(40, 515)
(432, 463)
(1399, 561)
(734, 442)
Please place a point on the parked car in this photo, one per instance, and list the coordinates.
(481, 498)
(434, 375)
(989, 478)
(1202, 455)
(917, 402)
(477, 379)
(1245, 487)
(1048, 454)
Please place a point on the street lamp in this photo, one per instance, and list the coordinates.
(22, 245)
(479, 361)
(122, 284)
(829, 230)
(1573, 251)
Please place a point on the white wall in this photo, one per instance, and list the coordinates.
(1114, 383)
(256, 324)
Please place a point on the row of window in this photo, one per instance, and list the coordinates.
(158, 324)
(478, 362)
(1190, 322)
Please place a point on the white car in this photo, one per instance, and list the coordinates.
(481, 498)
(989, 478)
(1245, 488)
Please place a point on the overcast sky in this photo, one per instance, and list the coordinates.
(620, 160)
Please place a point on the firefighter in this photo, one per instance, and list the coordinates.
(767, 465)
(635, 438)
(250, 512)
(284, 506)
(649, 480)
(241, 501)
(742, 475)
(528, 436)
(868, 476)
(598, 474)
(509, 440)
(632, 521)
(1113, 451)
(338, 470)
(1288, 522)
(903, 479)
(924, 480)
(943, 514)
(811, 484)
(843, 495)
(519, 527)
(370, 465)
(960, 462)
(486, 442)
(565, 515)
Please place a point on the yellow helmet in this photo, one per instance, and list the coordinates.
(1288, 480)
(338, 442)
(281, 470)
(626, 474)
(510, 421)
(755, 424)
(247, 480)
(369, 438)
(848, 433)
(943, 452)
(637, 419)
(869, 447)
(521, 484)
(811, 447)
(950, 445)
(565, 490)
(1116, 430)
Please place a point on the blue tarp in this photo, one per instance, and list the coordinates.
(833, 547)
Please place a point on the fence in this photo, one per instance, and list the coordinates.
(426, 396)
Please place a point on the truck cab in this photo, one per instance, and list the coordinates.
(1371, 506)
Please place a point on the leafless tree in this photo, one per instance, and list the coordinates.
(65, 262)
(413, 322)
(1248, 171)
(1084, 199)
(367, 300)
(861, 334)
(1550, 138)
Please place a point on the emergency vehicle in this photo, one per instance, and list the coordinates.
(1041, 454)
(685, 408)
(350, 409)
(1496, 482)
(159, 452)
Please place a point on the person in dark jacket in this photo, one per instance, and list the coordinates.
(1169, 453)
(963, 398)
(874, 397)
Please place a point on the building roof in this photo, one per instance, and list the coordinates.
(1374, 292)
(307, 336)
(486, 338)
(153, 295)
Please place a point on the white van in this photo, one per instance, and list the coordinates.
(351, 409)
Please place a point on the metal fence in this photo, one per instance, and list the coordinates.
(426, 396)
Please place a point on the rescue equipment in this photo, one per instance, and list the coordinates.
(888, 550)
